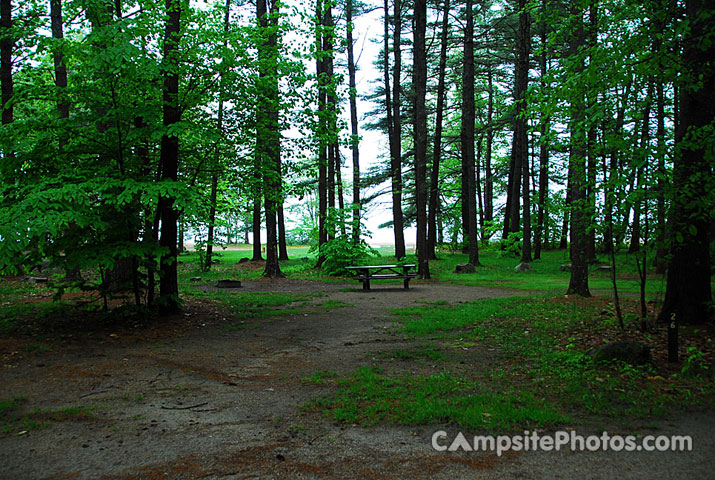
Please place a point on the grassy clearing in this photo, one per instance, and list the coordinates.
(541, 374)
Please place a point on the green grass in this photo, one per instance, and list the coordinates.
(369, 396)
(320, 377)
(543, 343)
(538, 372)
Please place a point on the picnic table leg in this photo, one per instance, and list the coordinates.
(366, 281)
(407, 283)
(405, 271)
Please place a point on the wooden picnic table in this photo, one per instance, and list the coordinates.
(365, 273)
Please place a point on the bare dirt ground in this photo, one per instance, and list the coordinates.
(191, 399)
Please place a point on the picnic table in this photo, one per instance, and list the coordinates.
(365, 273)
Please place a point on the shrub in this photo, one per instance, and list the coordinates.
(341, 252)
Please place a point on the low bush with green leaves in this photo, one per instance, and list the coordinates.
(342, 252)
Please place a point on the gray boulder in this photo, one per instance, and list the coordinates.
(523, 268)
(627, 351)
(465, 268)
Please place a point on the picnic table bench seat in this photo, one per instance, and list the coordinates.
(365, 273)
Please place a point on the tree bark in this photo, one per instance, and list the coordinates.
(543, 148)
(467, 138)
(396, 141)
(268, 133)
(578, 283)
(521, 138)
(58, 56)
(217, 159)
(437, 150)
(256, 224)
(7, 44)
(169, 159)
(331, 112)
(661, 251)
(322, 134)
(688, 292)
(419, 81)
(488, 175)
(354, 134)
(591, 157)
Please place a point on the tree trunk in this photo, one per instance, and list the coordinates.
(396, 141)
(578, 283)
(268, 133)
(478, 185)
(212, 220)
(169, 159)
(467, 138)
(545, 121)
(7, 44)
(354, 137)
(592, 159)
(63, 108)
(661, 250)
(322, 135)
(437, 151)
(60, 68)
(563, 240)
(217, 158)
(282, 243)
(488, 176)
(521, 148)
(340, 192)
(688, 292)
(256, 218)
(513, 193)
(419, 80)
(331, 113)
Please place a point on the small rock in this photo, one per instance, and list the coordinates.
(305, 259)
(523, 268)
(465, 268)
(603, 268)
(566, 267)
(37, 279)
(627, 351)
(195, 279)
(244, 260)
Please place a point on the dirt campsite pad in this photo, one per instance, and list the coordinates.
(200, 396)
